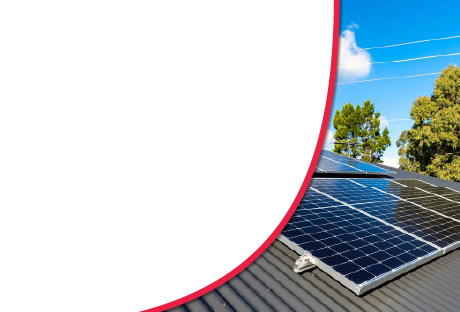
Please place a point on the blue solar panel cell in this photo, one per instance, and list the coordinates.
(335, 163)
(349, 192)
(315, 200)
(328, 165)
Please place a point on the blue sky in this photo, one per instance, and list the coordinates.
(391, 22)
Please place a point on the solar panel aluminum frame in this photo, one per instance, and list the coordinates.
(451, 247)
(368, 285)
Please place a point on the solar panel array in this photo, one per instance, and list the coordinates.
(364, 232)
(330, 162)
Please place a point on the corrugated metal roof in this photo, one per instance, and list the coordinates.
(270, 284)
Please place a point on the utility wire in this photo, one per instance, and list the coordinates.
(387, 78)
(399, 61)
(406, 43)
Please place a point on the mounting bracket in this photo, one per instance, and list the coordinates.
(305, 262)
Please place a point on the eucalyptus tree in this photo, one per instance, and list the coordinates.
(431, 146)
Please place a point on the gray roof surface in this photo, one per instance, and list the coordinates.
(270, 284)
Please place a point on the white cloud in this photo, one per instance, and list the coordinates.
(353, 63)
(392, 162)
(353, 26)
(328, 140)
(383, 122)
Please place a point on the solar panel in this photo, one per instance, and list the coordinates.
(364, 232)
(328, 165)
(398, 187)
(419, 212)
(454, 196)
(316, 200)
(441, 205)
(426, 224)
(424, 186)
(394, 188)
(330, 162)
(443, 191)
(414, 183)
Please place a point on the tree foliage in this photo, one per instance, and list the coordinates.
(431, 145)
(358, 132)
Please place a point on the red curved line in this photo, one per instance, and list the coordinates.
(303, 188)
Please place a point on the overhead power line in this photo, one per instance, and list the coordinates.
(387, 78)
(406, 43)
(400, 61)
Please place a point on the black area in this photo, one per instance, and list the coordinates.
(220, 147)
